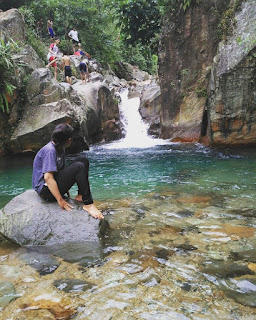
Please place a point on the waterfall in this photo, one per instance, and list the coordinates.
(135, 128)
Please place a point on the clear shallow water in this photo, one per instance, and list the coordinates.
(182, 241)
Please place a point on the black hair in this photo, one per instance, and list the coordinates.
(61, 134)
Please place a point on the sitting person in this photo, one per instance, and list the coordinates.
(52, 179)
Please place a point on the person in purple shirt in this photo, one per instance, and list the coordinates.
(52, 179)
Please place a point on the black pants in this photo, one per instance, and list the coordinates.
(76, 172)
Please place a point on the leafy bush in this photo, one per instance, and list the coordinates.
(65, 46)
(36, 44)
(32, 38)
(7, 69)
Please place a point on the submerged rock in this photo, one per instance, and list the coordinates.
(226, 269)
(242, 291)
(29, 220)
(247, 255)
(43, 263)
(7, 293)
(60, 307)
(72, 285)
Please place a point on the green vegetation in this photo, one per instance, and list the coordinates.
(31, 35)
(201, 92)
(23, 96)
(227, 20)
(7, 70)
(186, 4)
(110, 30)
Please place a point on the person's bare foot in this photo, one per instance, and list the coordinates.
(93, 211)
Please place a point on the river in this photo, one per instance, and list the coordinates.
(181, 246)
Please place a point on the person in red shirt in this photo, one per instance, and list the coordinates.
(52, 56)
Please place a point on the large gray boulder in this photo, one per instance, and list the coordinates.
(103, 118)
(129, 72)
(150, 106)
(29, 59)
(29, 220)
(88, 108)
(49, 103)
(12, 26)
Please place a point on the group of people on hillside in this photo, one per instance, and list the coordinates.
(66, 62)
(52, 179)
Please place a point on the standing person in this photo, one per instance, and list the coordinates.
(52, 179)
(50, 28)
(52, 56)
(73, 34)
(67, 69)
(84, 70)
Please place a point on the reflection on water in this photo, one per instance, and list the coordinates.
(181, 245)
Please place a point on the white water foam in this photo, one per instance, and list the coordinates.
(136, 129)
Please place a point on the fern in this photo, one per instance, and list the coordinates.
(7, 66)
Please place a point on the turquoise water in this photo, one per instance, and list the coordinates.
(125, 173)
(185, 168)
(181, 243)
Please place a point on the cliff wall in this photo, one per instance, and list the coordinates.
(189, 78)
(231, 108)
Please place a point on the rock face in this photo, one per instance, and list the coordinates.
(103, 112)
(49, 103)
(150, 107)
(91, 109)
(192, 79)
(12, 26)
(188, 45)
(29, 220)
(232, 102)
(128, 72)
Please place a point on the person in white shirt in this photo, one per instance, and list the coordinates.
(73, 34)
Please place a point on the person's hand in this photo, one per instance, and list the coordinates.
(65, 205)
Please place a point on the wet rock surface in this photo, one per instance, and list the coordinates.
(43, 263)
(72, 285)
(226, 269)
(150, 106)
(241, 290)
(7, 293)
(30, 220)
